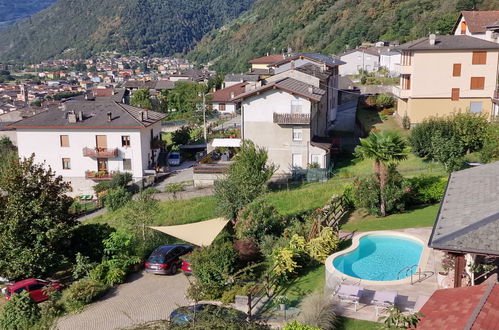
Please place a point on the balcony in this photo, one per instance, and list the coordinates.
(403, 69)
(401, 93)
(291, 118)
(99, 175)
(100, 152)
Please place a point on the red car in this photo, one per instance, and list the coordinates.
(35, 287)
(186, 265)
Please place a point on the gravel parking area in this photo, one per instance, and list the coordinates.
(143, 298)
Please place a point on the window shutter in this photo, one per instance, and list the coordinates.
(479, 58)
(455, 94)
(64, 141)
(463, 27)
(477, 83)
(456, 70)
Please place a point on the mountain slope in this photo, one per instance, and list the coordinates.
(12, 11)
(329, 26)
(86, 27)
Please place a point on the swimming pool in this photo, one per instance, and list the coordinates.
(379, 257)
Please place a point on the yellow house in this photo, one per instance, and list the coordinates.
(442, 75)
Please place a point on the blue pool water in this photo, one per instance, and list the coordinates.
(380, 258)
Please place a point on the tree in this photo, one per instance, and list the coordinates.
(246, 180)
(141, 98)
(185, 96)
(35, 224)
(20, 313)
(385, 148)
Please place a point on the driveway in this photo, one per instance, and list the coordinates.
(144, 298)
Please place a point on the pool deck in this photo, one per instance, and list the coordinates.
(407, 293)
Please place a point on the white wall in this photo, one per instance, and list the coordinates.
(390, 61)
(358, 60)
(46, 146)
(229, 107)
(262, 107)
(484, 36)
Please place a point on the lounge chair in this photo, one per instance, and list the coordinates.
(384, 299)
(350, 294)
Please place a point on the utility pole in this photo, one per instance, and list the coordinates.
(204, 117)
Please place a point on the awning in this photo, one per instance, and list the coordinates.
(232, 143)
(199, 233)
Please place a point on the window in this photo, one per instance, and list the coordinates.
(295, 106)
(125, 140)
(456, 70)
(297, 134)
(479, 58)
(477, 83)
(463, 27)
(66, 163)
(476, 107)
(221, 107)
(297, 160)
(315, 159)
(36, 286)
(101, 164)
(101, 141)
(64, 140)
(455, 94)
(127, 164)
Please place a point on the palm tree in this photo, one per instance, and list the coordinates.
(386, 149)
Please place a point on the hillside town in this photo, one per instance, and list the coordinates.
(355, 190)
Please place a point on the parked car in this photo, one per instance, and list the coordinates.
(186, 314)
(186, 265)
(166, 259)
(174, 158)
(36, 288)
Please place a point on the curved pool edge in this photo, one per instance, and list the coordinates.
(331, 270)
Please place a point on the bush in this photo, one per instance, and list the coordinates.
(81, 293)
(490, 150)
(385, 101)
(295, 325)
(324, 245)
(317, 310)
(87, 239)
(421, 135)
(248, 249)
(370, 101)
(259, 219)
(117, 198)
(82, 266)
(448, 150)
(212, 265)
(395, 193)
(119, 180)
(427, 189)
(229, 296)
(19, 313)
(181, 136)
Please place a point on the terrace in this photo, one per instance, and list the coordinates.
(100, 152)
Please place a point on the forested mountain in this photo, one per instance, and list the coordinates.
(12, 11)
(329, 26)
(86, 27)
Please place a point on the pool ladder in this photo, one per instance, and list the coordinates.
(410, 269)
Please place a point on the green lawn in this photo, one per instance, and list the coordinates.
(370, 119)
(309, 281)
(345, 323)
(417, 217)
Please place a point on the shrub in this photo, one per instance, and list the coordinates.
(119, 180)
(248, 249)
(448, 150)
(81, 293)
(421, 135)
(317, 310)
(212, 265)
(229, 296)
(395, 193)
(370, 101)
(181, 136)
(406, 121)
(385, 101)
(490, 150)
(174, 188)
(117, 198)
(87, 239)
(259, 219)
(82, 266)
(295, 325)
(427, 189)
(321, 247)
(283, 262)
(19, 313)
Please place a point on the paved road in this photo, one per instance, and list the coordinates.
(180, 173)
(231, 124)
(144, 298)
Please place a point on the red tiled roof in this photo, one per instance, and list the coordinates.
(226, 94)
(269, 59)
(475, 307)
(477, 21)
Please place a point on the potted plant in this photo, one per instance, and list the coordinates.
(282, 301)
(448, 262)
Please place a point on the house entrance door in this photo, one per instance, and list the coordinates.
(101, 164)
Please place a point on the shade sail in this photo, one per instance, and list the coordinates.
(200, 233)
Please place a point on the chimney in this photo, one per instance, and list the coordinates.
(232, 95)
(109, 116)
(292, 65)
(80, 116)
(141, 115)
(146, 114)
(71, 117)
(433, 38)
(311, 89)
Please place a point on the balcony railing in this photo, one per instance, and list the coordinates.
(291, 118)
(100, 152)
(401, 93)
(403, 69)
(99, 175)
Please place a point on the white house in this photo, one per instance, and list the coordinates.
(289, 114)
(359, 59)
(88, 141)
(479, 24)
(391, 60)
(223, 99)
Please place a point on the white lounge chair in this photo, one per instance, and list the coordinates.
(350, 293)
(384, 299)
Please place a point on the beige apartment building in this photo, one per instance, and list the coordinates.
(442, 75)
